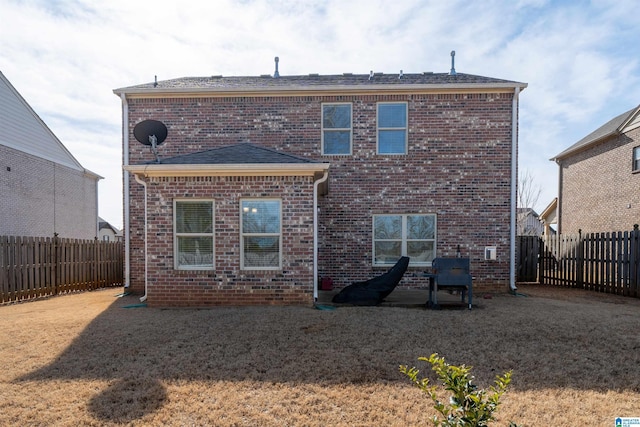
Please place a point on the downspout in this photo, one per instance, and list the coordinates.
(559, 205)
(514, 191)
(144, 184)
(316, 184)
(97, 230)
(125, 162)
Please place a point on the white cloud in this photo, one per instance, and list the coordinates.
(66, 56)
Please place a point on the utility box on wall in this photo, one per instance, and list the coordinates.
(490, 253)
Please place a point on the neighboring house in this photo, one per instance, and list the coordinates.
(45, 190)
(549, 218)
(266, 184)
(108, 232)
(529, 223)
(599, 178)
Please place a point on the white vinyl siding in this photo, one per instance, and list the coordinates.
(22, 129)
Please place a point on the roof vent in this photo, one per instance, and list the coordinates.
(370, 74)
(276, 74)
(155, 82)
(400, 75)
(453, 63)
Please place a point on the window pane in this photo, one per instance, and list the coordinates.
(387, 252)
(420, 251)
(392, 115)
(261, 216)
(194, 217)
(420, 227)
(336, 142)
(336, 116)
(261, 251)
(388, 227)
(391, 141)
(636, 158)
(195, 251)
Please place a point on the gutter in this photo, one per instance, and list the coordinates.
(310, 90)
(316, 184)
(235, 169)
(514, 191)
(125, 177)
(144, 184)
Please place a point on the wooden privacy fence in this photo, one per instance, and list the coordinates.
(32, 267)
(603, 262)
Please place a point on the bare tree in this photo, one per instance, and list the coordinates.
(528, 195)
(528, 191)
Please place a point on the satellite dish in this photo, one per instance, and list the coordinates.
(146, 130)
(151, 132)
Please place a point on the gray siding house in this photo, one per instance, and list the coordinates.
(45, 190)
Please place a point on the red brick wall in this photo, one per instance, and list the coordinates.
(228, 284)
(599, 191)
(458, 167)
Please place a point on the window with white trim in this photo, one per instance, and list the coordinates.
(412, 235)
(636, 159)
(261, 234)
(336, 128)
(392, 128)
(193, 234)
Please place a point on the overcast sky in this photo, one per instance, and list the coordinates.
(65, 57)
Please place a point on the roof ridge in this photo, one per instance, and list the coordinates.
(608, 129)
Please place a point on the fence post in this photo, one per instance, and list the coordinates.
(580, 261)
(56, 263)
(634, 260)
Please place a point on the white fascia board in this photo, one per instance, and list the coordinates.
(249, 169)
(325, 90)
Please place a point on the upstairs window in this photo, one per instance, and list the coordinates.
(404, 235)
(261, 232)
(636, 159)
(193, 240)
(336, 128)
(392, 128)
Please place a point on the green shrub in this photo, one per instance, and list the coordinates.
(468, 406)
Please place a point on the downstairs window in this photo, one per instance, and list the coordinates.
(194, 234)
(261, 233)
(412, 235)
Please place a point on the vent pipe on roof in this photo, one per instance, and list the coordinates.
(155, 82)
(276, 74)
(453, 63)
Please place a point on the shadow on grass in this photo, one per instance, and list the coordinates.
(128, 399)
(548, 343)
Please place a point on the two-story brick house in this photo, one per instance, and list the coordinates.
(265, 184)
(599, 178)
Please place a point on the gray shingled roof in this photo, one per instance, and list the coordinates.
(605, 131)
(315, 81)
(243, 153)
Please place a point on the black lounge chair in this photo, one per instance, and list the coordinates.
(373, 291)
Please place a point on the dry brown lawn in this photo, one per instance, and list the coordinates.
(83, 359)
